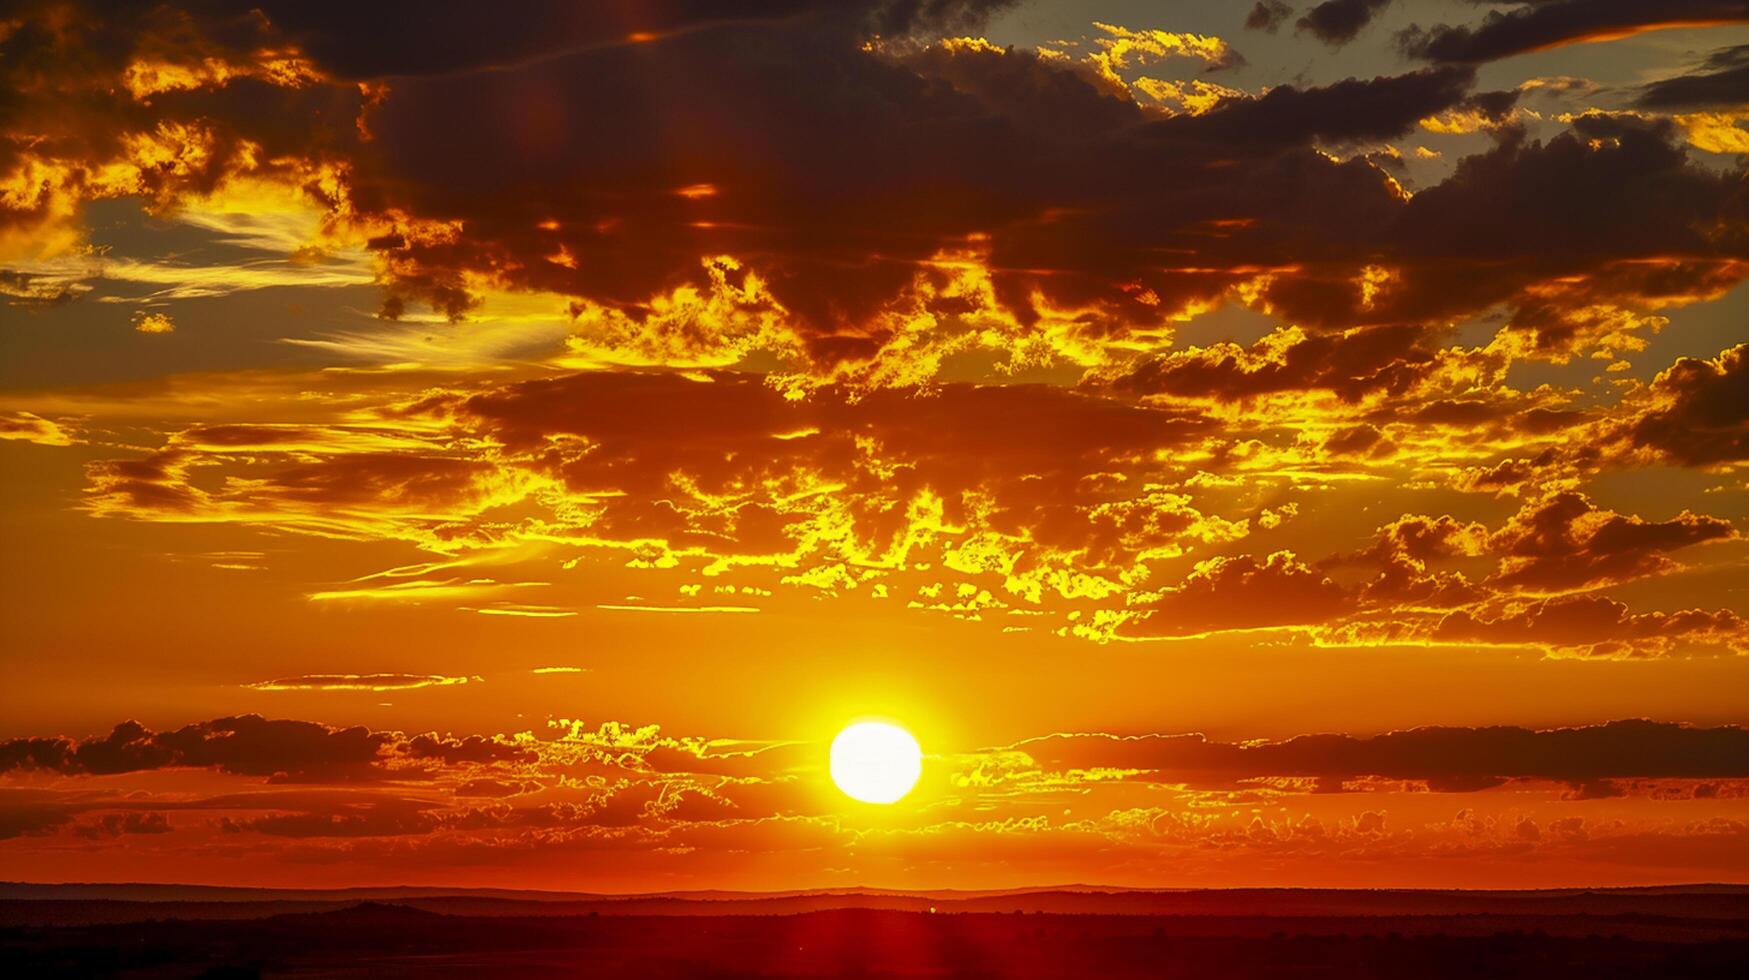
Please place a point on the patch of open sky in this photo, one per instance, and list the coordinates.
(228, 285)
(1701, 330)
(1228, 323)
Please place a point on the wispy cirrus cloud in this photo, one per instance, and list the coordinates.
(360, 682)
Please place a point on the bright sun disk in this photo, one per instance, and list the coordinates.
(875, 762)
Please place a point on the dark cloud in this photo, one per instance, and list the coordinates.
(1699, 412)
(1268, 15)
(1390, 359)
(410, 37)
(1351, 110)
(1551, 23)
(1450, 759)
(1564, 542)
(1507, 222)
(35, 292)
(1722, 82)
(469, 749)
(1358, 440)
(561, 171)
(1023, 447)
(1406, 549)
(1421, 539)
(1558, 543)
(1532, 210)
(1597, 626)
(245, 745)
(31, 820)
(367, 817)
(1244, 593)
(553, 160)
(111, 825)
(777, 120)
(1336, 22)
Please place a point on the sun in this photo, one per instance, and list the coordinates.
(875, 762)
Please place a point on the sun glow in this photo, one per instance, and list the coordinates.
(875, 762)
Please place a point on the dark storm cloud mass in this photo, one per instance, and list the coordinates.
(1348, 111)
(935, 142)
(604, 158)
(418, 37)
(1530, 211)
(1540, 24)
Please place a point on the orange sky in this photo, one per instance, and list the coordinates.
(1292, 446)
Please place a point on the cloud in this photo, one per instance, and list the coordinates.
(358, 682)
(26, 427)
(1541, 198)
(361, 818)
(472, 748)
(1448, 759)
(1035, 499)
(1336, 22)
(494, 788)
(961, 152)
(1267, 15)
(959, 386)
(112, 825)
(614, 756)
(38, 290)
(637, 238)
(1391, 359)
(1553, 23)
(1407, 548)
(1243, 593)
(26, 820)
(1544, 559)
(635, 798)
(829, 491)
(1565, 542)
(1596, 626)
(244, 745)
(389, 41)
(623, 607)
(153, 323)
(1696, 412)
(1722, 82)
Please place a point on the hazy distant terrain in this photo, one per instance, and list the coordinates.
(75, 904)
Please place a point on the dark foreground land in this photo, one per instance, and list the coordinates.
(1548, 937)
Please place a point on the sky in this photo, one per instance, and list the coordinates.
(1280, 445)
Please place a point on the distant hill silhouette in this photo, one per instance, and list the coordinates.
(23, 904)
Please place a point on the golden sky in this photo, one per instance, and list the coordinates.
(1304, 444)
